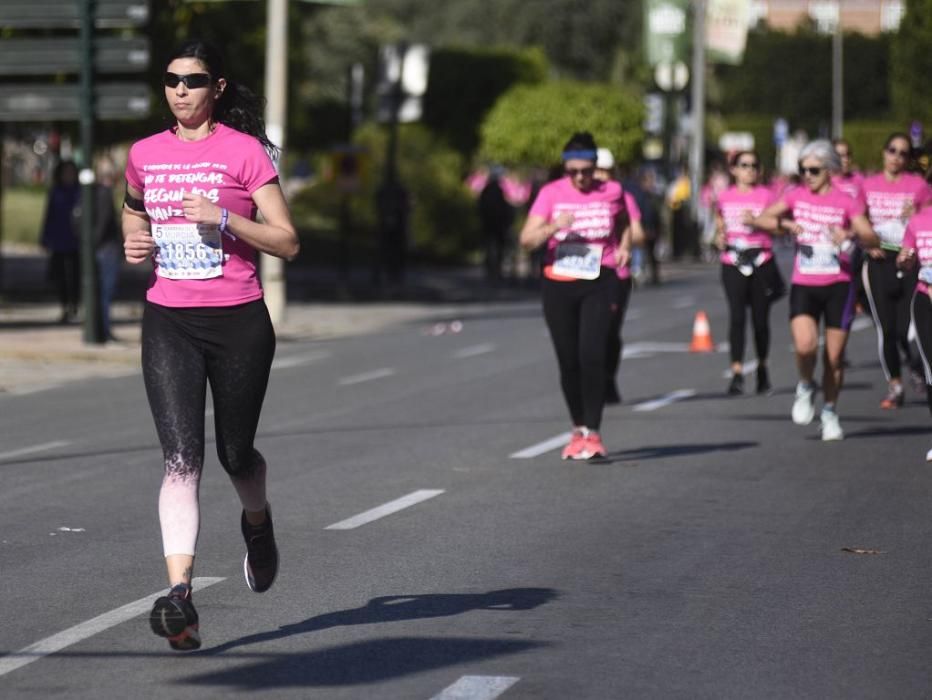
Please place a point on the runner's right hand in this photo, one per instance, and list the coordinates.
(906, 259)
(138, 246)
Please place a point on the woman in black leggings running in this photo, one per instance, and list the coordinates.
(192, 195)
(749, 274)
(578, 219)
(892, 196)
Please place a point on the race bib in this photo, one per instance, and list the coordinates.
(891, 232)
(925, 274)
(188, 251)
(819, 259)
(582, 261)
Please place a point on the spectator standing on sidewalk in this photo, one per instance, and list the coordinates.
(61, 240)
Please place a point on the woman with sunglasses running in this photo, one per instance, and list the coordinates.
(192, 196)
(826, 223)
(579, 220)
(749, 273)
(892, 196)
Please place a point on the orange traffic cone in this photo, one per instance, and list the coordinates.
(702, 334)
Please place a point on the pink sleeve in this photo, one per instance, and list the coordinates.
(132, 177)
(542, 206)
(789, 198)
(632, 206)
(856, 207)
(256, 168)
(909, 236)
(924, 196)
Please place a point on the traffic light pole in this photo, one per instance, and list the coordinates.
(89, 291)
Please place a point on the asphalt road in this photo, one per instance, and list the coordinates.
(433, 546)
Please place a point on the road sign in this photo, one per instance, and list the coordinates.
(732, 141)
(671, 76)
(60, 55)
(61, 102)
(66, 14)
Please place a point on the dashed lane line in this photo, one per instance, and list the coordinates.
(33, 449)
(366, 376)
(665, 400)
(542, 447)
(473, 350)
(477, 688)
(385, 509)
(299, 360)
(84, 630)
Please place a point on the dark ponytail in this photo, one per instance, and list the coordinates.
(238, 107)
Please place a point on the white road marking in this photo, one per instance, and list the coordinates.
(861, 323)
(366, 376)
(646, 349)
(542, 447)
(746, 369)
(385, 509)
(477, 688)
(34, 448)
(633, 314)
(299, 360)
(474, 350)
(672, 397)
(684, 302)
(84, 630)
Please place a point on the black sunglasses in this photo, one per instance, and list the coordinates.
(192, 81)
(746, 165)
(895, 152)
(585, 172)
(810, 171)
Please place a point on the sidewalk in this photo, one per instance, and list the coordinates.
(37, 352)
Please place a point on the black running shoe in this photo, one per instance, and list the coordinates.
(261, 563)
(763, 380)
(173, 616)
(736, 385)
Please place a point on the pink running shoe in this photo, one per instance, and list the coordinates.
(593, 447)
(575, 446)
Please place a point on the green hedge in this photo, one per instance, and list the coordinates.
(444, 224)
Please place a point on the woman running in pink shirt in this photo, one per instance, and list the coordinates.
(588, 247)
(892, 196)
(192, 195)
(826, 223)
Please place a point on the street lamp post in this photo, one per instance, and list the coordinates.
(697, 159)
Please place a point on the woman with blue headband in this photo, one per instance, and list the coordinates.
(580, 221)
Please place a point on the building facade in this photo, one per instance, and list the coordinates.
(864, 16)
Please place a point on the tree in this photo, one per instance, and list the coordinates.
(911, 62)
(530, 124)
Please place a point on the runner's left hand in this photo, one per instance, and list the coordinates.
(199, 209)
(622, 256)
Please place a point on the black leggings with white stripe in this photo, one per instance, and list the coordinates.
(889, 292)
(922, 318)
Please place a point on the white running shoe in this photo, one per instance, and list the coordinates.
(831, 428)
(804, 404)
(929, 456)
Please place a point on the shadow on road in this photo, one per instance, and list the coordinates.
(402, 607)
(661, 451)
(359, 663)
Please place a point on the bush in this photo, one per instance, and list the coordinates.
(444, 224)
(530, 124)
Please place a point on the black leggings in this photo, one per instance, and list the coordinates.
(579, 317)
(615, 343)
(741, 293)
(922, 318)
(185, 348)
(889, 297)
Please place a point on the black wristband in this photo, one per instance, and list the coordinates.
(134, 203)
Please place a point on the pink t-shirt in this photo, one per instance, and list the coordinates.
(918, 236)
(731, 205)
(890, 204)
(850, 184)
(227, 167)
(819, 261)
(594, 215)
